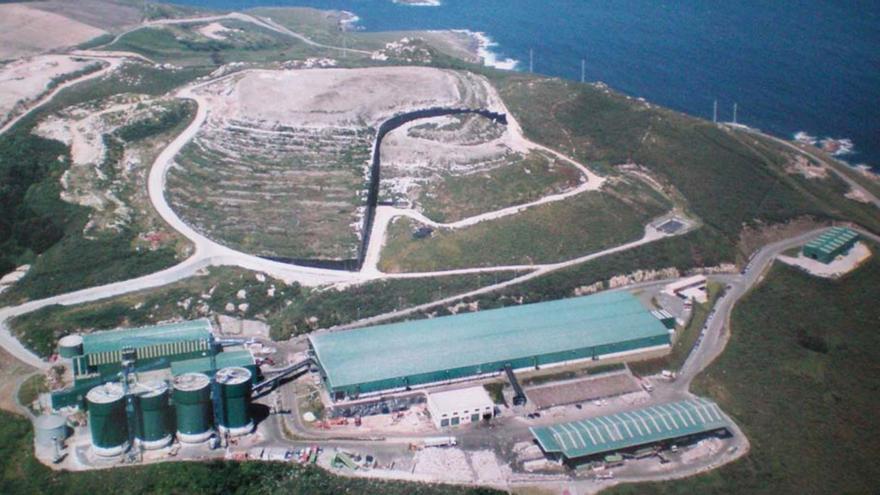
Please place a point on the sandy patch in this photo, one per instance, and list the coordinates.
(443, 464)
(91, 182)
(11, 372)
(26, 80)
(858, 195)
(803, 166)
(215, 31)
(12, 277)
(26, 31)
(82, 127)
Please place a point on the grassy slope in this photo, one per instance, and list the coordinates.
(804, 389)
(21, 473)
(182, 45)
(547, 233)
(454, 197)
(728, 178)
(288, 311)
(336, 307)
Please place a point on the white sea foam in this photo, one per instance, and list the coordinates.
(490, 58)
(837, 147)
(419, 3)
(348, 20)
(803, 137)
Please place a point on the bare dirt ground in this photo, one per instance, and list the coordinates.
(11, 372)
(25, 30)
(24, 81)
(347, 96)
(215, 31)
(800, 164)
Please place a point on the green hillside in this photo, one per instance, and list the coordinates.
(804, 391)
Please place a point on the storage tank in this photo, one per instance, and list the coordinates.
(153, 425)
(70, 346)
(107, 421)
(50, 430)
(192, 401)
(235, 395)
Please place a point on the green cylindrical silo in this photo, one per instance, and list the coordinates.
(235, 390)
(153, 429)
(107, 420)
(192, 402)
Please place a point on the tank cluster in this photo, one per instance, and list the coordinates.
(151, 413)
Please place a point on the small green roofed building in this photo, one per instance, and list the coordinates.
(154, 346)
(415, 353)
(832, 243)
(595, 437)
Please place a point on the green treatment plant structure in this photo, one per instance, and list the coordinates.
(182, 347)
(832, 243)
(589, 439)
(400, 356)
(143, 386)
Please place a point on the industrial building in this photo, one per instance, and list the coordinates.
(182, 347)
(580, 441)
(462, 406)
(399, 356)
(832, 243)
(142, 387)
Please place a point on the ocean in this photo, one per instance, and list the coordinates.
(808, 66)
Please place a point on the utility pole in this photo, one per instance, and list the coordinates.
(583, 70)
(531, 60)
(715, 112)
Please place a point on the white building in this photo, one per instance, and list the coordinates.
(690, 288)
(462, 406)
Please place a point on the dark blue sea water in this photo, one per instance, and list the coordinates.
(791, 65)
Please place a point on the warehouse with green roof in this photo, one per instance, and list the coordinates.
(403, 355)
(832, 243)
(579, 441)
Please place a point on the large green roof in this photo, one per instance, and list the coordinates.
(624, 430)
(226, 359)
(832, 239)
(426, 346)
(116, 340)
